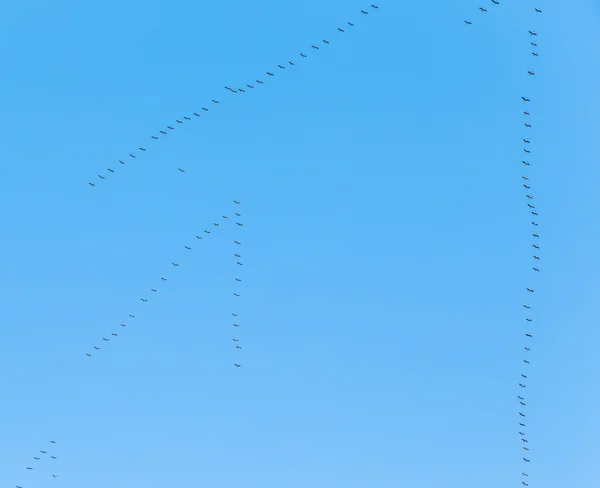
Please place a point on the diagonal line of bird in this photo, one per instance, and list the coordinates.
(250, 86)
(163, 133)
(484, 10)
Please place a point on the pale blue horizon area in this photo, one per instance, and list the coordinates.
(386, 244)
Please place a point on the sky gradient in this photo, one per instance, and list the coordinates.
(386, 244)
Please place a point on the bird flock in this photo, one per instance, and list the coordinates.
(247, 88)
(237, 243)
(44, 454)
(163, 280)
(237, 216)
(533, 215)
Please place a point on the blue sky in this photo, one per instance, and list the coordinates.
(385, 247)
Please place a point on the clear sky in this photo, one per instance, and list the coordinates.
(386, 244)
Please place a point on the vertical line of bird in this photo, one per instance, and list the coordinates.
(534, 214)
(155, 290)
(165, 131)
(237, 283)
(43, 452)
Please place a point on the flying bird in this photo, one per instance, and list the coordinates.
(111, 170)
(468, 22)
